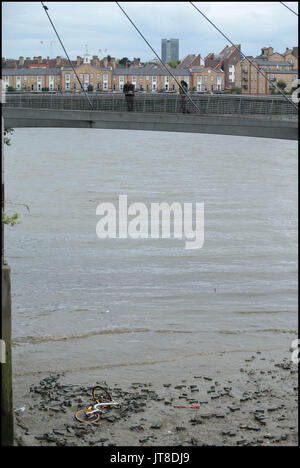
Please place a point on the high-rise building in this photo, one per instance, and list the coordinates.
(169, 50)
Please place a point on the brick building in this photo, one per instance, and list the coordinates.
(226, 60)
(274, 67)
(216, 73)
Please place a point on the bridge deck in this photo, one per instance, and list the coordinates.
(224, 125)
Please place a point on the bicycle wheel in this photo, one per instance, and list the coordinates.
(83, 416)
(101, 395)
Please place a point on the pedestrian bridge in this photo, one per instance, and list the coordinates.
(260, 126)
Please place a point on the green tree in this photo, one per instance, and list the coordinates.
(173, 63)
(235, 90)
(281, 85)
(123, 62)
(11, 89)
(90, 87)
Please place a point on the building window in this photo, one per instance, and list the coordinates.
(51, 82)
(32, 78)
(212, 78)
(153, 83)
(205, 78)
(18, 82)
(91, 76)
(212, 87)
(105, 82)
(166, 83)
(199, 83)
(98, 76)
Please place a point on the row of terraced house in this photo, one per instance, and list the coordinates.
(216, 73)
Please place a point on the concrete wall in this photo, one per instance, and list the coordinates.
(7, 429)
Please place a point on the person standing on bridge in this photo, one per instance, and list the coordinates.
(183, 89)
(128, 89)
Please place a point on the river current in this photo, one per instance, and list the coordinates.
(80, 302)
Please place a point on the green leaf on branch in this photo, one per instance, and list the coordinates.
(10, 220)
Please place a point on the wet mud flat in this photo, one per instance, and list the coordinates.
(255, 407)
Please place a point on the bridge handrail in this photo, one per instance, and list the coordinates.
(216, 104)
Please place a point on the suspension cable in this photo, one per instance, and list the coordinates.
(180, 87)
(289, 8)
(251, 63)
(46, 8)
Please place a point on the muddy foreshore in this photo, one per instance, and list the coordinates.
(255, 406)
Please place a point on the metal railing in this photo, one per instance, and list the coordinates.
(214, 104)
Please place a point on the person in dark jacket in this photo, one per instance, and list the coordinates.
(183, 92)
(128, 90)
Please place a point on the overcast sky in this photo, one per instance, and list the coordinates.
(26, 30)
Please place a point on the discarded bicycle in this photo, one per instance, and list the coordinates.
(93, 412)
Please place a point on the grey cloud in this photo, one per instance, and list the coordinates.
(102, 25)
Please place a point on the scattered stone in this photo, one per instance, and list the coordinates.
(156, 426)
(234, 408)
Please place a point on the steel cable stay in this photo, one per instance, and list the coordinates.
(289, 8)
(241, 53)
(170, 73)
(46, 11)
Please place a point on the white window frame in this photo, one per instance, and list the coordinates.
(105, 82)
(199, 83)
(167, 83)
(86, 81)
(154, 83)
(39, 83)
(51, 82)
